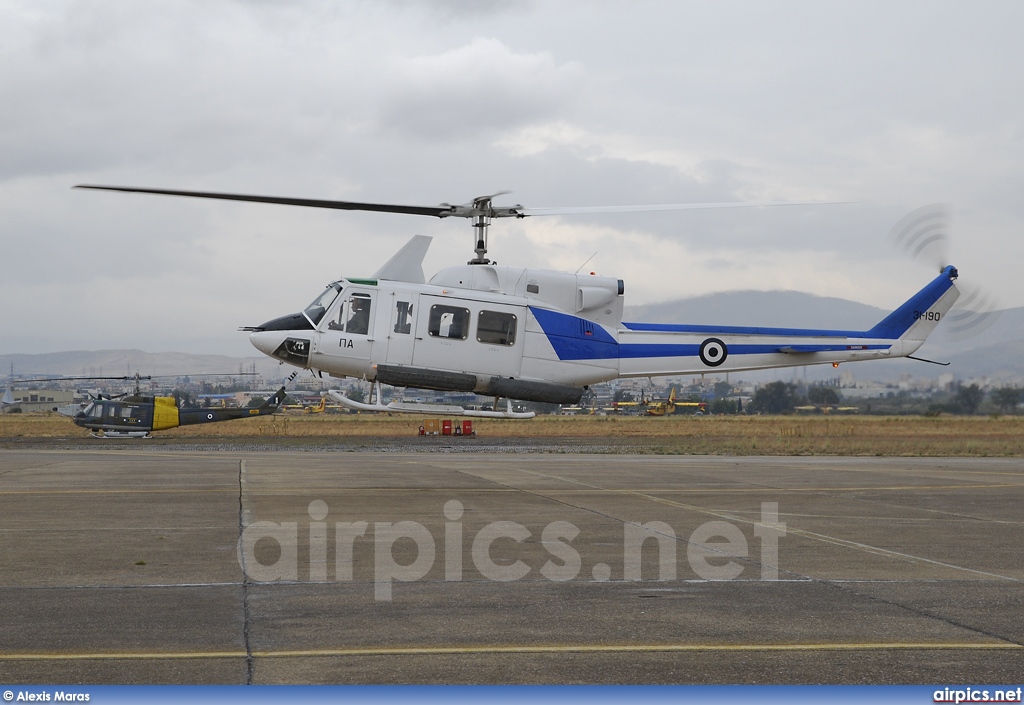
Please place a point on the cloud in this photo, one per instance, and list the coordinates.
(566, 104)
(481, 88)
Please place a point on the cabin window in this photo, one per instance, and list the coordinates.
(495, 328)
(448, 322)
(403, 317)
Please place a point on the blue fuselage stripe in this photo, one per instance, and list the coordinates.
(742, 330)
(573, 338)
(693, 350)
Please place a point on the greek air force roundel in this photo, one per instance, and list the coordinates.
(713, 352)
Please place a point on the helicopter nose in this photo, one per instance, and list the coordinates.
(267, 341)
(289, 346)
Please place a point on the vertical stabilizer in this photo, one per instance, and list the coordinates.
(407, 264)
(915, 319)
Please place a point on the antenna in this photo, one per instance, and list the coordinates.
(585, 263)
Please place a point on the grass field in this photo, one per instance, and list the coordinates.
(718, 435)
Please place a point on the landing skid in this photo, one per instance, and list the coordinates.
(120, 434)
(398, 407)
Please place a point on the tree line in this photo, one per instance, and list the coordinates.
(784, 397)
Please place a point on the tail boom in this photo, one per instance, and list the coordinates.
(650, 349)
(188, 417)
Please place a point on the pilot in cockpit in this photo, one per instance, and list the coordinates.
(359, 321)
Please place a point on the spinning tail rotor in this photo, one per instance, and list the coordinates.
(925, 234)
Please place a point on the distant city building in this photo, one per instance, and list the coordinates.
(40, 399)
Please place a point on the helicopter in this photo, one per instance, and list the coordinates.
(525, 334)
(134, 415)
(7, 399)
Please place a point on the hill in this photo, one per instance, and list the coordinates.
(128, 362)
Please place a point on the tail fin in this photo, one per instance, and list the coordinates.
(917, 318)
(274, 401)
(672, 395)
(8, 398)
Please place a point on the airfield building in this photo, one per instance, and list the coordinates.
(40, 399)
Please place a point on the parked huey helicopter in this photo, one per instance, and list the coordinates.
(134, 415)
(530, 334)
(7, 399)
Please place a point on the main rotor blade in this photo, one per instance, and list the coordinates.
(448, 210)
(436, 211)
(132, 378)
(31, 380)
(579, 210)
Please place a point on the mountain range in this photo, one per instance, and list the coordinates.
(114, 363)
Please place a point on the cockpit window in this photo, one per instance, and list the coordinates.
(352, 315)
(359, 314)
(315, 311)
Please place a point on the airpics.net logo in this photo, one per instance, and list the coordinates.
(714, 551)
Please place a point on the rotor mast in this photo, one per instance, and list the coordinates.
(480, 224)
(481, 221)
(481, 210)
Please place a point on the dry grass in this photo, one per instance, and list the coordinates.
(738, 435)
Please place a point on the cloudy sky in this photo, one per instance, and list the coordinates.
(889, 105)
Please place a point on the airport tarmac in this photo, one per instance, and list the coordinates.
(125, 566)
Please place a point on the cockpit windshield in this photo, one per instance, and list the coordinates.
(315, 311)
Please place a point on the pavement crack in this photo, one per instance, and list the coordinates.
(243, 517)
(922, 613)
(832, 584)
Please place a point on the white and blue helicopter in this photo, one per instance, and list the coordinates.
(517, 333)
